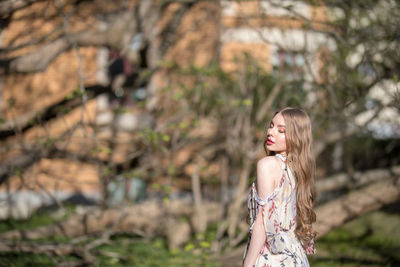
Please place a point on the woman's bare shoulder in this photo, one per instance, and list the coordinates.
(269, 163)
(268, 173)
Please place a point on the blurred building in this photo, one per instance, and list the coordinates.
(274, 33)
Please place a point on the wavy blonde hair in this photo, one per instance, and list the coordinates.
(301, 161)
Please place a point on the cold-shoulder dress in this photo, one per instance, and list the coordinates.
(281, 247)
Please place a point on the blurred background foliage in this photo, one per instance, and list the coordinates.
(130, 130)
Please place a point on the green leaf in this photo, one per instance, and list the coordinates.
(69, 96)
(165, 137)
(247, 102)
(205, 244)
(189, 246)
(182, 125)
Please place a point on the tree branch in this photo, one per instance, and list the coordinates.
(24, 121)
(358, 179)
(7, 7)
(114, 35)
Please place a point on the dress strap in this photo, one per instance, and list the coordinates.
(283, 160)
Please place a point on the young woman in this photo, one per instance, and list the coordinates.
(281, 199)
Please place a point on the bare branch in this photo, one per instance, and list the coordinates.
(39, 60)
(113, 36)
(343, 180)
(265, 108)
(7, 7)
(333, 137)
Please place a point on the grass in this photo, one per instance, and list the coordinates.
(155, 253)
(370, 240)
(123, 249)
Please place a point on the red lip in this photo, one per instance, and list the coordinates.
(269, 142)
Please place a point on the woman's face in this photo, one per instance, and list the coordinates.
(276, 135)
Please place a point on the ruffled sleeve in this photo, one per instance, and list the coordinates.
(276, 240)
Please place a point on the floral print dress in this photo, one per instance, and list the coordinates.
(281, 247)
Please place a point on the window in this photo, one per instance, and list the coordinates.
(289, 64)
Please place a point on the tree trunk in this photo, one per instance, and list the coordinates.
(235, 208)
(200, 221)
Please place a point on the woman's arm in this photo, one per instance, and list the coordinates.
(267, 175)
(256, 242)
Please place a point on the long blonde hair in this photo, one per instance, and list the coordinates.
(301, 161)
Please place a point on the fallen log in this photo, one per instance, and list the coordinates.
(337, 212)
(146, 219)
(29, 247)
(344, 180)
